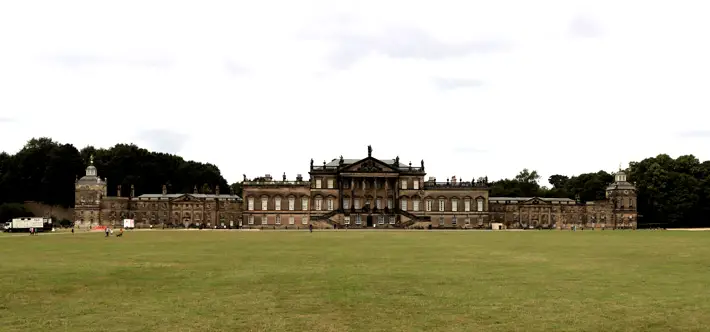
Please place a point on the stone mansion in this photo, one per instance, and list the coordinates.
(354, 193)
(384, 193)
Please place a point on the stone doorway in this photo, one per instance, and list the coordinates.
(369, 221)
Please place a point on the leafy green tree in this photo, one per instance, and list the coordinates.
(13, 210)
(45, 171)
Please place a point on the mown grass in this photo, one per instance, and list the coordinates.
(356, 281)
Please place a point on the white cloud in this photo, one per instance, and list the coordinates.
(472, 87)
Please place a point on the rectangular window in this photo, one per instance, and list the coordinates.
(454, 205)
(479, 206)
(347, 220)
(415, 205)
(389, 203)
(278, 219)
(304, 220)
(319, 204)
(277, 203)
(358, 219)
(378, 203)
(453, 220)
(330, 204)
(415, 184)
(251, 220)
(392, 220)
(318, 184)
(346, 203)
(330, 183)
(441, 220)
(251, 203)
(291, 221)
(356, 202)
(441, 205)
(264, 203)
(468, 221)
(428, 205)
(404, 183)
(381, 219)
(304, 204)
(404, 204)
(467, 205)
(291, 203)
(264, 220)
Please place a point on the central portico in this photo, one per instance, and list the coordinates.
(365, 191)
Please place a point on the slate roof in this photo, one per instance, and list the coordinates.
(201, 196)
(621, 184)
(522, 199)
(89, 180)
(90, 177)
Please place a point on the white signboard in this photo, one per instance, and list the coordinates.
(129, 223)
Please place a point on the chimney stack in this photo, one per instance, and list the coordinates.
(453, 179)
(165, 189)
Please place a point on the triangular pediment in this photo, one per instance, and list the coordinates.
(369, 165)
(535, 201)
(185, 198)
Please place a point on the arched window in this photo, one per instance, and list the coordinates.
(277, 203)
(264, 203)
(454, 204)
(291, 203)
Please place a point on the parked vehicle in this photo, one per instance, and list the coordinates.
(24, 224)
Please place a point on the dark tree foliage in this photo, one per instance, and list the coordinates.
(671, 192)
(13, 210)
(45, 171)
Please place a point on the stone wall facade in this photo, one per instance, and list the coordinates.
(360, 193)
(93, 207)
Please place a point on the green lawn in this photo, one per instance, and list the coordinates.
(356, 281)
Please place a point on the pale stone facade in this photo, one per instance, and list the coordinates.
(94, 207)
(369, 192)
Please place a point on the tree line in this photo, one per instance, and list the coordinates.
(671, 192)
(45, 171)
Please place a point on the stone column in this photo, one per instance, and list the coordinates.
(340, 193)
(352, 193)
(374, 190)
(364, 193)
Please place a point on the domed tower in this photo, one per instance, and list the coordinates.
(622, 198)
(88, 193)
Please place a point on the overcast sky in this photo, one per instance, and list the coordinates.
(472, 87)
